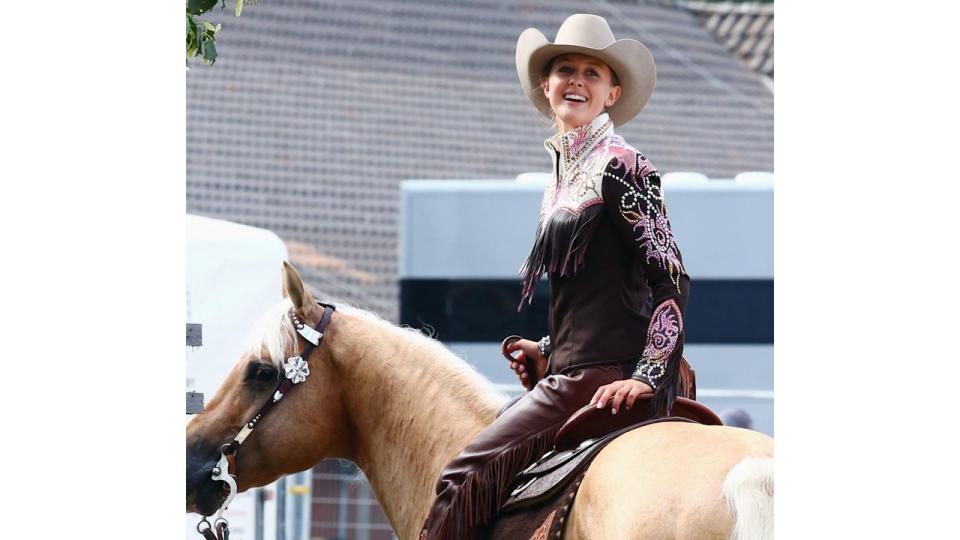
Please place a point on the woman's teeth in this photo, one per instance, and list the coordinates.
(574, 97)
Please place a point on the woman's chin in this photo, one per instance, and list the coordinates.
(575, 117)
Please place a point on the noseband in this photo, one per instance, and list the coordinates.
(295, 370)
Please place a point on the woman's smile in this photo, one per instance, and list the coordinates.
(579, 87)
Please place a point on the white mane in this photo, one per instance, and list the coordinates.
(274, 333)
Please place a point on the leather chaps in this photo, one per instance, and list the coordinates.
(477, 482)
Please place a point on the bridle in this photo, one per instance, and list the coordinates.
(295, 371)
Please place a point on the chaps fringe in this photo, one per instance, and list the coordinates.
(482, 493)
(560, 246)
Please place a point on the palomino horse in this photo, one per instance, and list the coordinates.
(400, 406)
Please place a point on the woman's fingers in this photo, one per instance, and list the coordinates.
(596, 395)
(632, 396)
(606, 392)
(618, 397)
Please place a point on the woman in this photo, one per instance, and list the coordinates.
(605, 242)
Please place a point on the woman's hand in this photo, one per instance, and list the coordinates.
(524, 349)
(620, 392)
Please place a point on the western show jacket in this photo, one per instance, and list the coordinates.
(618, 288)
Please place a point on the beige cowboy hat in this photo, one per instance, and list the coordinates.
(589, 35)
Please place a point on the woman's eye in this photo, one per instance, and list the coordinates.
(565, 69)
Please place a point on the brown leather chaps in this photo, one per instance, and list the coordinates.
(474, 485)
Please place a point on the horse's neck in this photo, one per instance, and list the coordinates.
(411, 411)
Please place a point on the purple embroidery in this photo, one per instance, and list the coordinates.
(579, 137)
(642, 206)
(576, 183)
(666, 324)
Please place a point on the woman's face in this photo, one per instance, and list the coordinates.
(579, 87)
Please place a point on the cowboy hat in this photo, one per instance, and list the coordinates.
(589, 35)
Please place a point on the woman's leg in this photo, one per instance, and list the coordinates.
(474, 485)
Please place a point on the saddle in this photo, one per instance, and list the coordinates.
(544, 492)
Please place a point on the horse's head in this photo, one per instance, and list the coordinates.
(300, 430)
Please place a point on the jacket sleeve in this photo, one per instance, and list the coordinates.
(634, 201)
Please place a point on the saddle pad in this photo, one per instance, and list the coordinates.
(553, 471)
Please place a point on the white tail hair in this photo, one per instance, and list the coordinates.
(748, 490)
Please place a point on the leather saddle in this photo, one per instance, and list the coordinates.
(584, 434)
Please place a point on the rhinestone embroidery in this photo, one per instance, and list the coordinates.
(666, 325)
(663, 334)
(642, 206)
(583, 155)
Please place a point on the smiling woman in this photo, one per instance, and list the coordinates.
(618, 286)
(578, 87)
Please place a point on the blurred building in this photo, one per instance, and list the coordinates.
(316, 111)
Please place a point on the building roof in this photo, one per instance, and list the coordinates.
(744, 28)
(316, 111)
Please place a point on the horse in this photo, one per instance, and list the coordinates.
(400, 405)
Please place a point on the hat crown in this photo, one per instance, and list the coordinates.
(586, 31)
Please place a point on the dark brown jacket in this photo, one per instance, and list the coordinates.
(605, 242)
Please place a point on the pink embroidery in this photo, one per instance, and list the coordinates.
(579, 137)
(666, 324)
(642, 206)
(580, 150)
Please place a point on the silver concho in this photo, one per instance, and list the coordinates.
(309, 334)
(296, 369)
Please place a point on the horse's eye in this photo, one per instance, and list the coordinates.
(261, 373)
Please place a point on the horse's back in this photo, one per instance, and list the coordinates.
(663, 481)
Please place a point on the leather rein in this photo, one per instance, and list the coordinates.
(295, 371)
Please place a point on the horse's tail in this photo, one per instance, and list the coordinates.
(748, 490)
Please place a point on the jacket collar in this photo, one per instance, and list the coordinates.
(569, 148)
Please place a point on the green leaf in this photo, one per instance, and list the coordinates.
(209, 27)
(239, 7)
(210, 52)
(199, 39)
(197, 7)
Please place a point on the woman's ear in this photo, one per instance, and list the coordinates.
(545, 86)
(613, 96)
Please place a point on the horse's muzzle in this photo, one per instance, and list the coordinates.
(204, 495)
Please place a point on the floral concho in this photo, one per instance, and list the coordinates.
(296, 369)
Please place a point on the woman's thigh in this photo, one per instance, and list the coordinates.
(546, 406)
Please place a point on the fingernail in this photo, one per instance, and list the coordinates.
(599, 404)
(592, 402)
(613, 411)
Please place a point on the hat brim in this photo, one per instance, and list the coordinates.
(628, 58)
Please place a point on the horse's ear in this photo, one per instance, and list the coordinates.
(294, 289)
